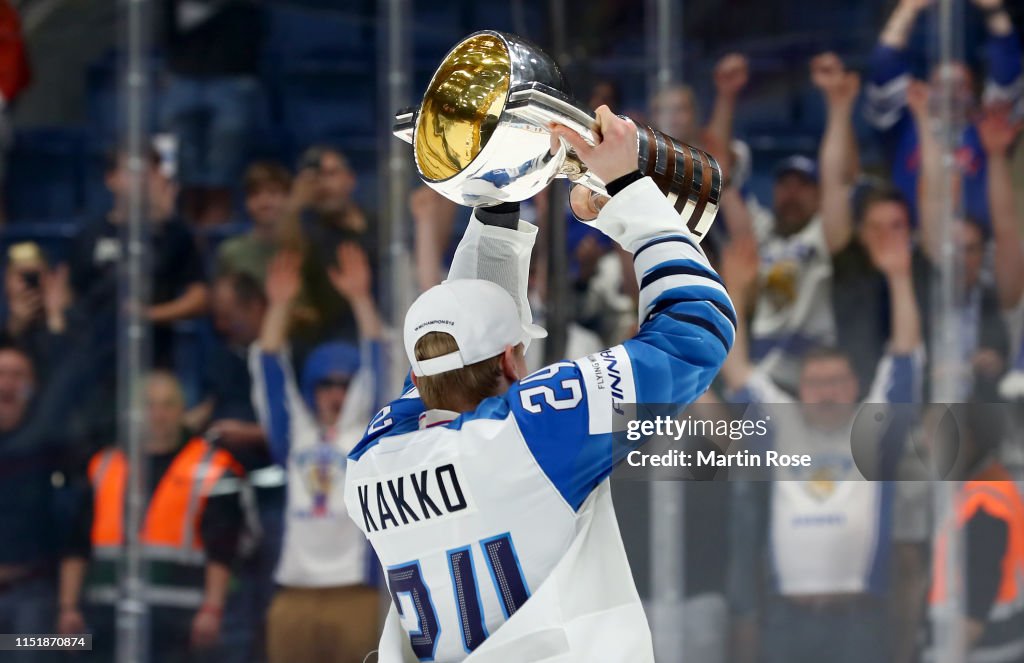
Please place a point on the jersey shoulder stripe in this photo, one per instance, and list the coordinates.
(398, 417)
(668, 299)
(704, 324)
(678, 268)
(663, 240)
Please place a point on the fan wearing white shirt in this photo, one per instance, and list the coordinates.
(327, 608)
(827, 534)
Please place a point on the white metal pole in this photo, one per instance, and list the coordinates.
(395, 68)
(556, 307)
(947, 357)
(664, 27)
(667, 529)
(133, 348)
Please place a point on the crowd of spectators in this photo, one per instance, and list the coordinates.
(252, 554)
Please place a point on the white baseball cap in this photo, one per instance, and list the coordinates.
(480, 315)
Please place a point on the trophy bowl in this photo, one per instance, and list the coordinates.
(480, 136)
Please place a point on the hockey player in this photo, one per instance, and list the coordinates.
(484, 490)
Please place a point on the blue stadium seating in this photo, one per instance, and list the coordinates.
(325, 103)
(44, 173)
(436, 28)
(303, 35)
(103, 110)
(96, 199)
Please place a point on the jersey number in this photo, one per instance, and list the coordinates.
(506, 575)
(571, 396)
(380, 421)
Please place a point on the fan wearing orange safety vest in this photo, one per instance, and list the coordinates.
(190, 535)
(988, 513)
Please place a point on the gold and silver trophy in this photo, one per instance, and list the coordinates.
(480, 136)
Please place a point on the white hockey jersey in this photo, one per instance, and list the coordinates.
(495, 527)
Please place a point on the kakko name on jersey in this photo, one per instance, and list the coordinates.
(495, 527)
(427, 490)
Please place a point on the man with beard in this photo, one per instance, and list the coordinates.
(792, 305)
(798, 236)
(825, 530)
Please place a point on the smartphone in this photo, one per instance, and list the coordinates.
(311, 159)
(31, 280)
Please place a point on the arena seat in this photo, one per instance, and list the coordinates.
(309, 34)
(44, 173)
(103, 110)
(327, 102)
(436, 27)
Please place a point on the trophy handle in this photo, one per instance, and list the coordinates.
(541, 104)
(405, 123)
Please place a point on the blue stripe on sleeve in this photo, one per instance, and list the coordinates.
(878, 574)
(885, 106)
(1004, 59)
(677, 354)
(674, 296)
(902, 380)
(662, 240)
(274, 381)
(887, 63)
(679, 268)
(704, 324)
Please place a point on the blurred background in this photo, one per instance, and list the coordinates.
(209, 237)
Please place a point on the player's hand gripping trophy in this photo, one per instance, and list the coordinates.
(482, 136)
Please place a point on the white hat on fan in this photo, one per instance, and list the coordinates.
(480, 315)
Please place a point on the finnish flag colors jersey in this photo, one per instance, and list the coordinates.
(829, 528)
(321, 546)
(886, 111)
(495, 527)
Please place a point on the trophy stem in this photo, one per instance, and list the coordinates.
(572, 167)
(576, 172)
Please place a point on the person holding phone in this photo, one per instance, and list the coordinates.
(37, 301)
(321, 215)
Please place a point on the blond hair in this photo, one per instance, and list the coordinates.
(460, 390)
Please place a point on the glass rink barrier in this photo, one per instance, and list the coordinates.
(757, 396)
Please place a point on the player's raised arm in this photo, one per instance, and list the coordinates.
(686, 327)
(686, 318)
(495, 247)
